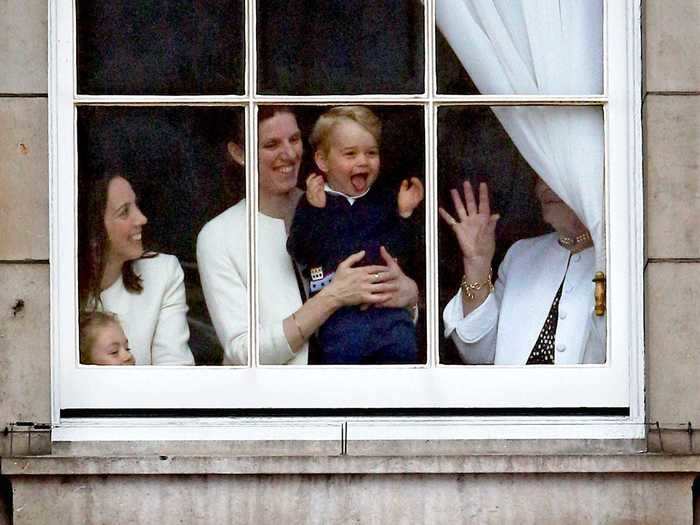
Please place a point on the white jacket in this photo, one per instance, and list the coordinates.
(222, 260)
(155, 320)
(505, 327)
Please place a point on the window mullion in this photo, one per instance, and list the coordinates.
(431, 244)
(252, 181)
(520, 100)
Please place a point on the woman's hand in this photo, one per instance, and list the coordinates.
(361, 285)
(406, 291)
(350, 287)
(475, 230)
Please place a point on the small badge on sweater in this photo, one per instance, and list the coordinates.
(316, 273)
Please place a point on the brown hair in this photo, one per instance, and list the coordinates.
(93, 244)
(89, 323)
(360, 114)
(266, 112)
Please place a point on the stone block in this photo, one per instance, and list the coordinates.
(25, 378)
(23, 46)
(24, 204)
(672, 348)
(672, 61)
(330, 499)
(672, 136)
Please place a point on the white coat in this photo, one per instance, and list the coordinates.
(505, 327)
(154, 320)
(222, 259)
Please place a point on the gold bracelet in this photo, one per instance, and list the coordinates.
(468, 288)
(296, 323)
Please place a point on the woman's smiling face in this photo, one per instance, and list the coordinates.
(123, 222)
(279, 153)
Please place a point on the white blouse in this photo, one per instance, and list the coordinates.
(222, 259)
(155, 320)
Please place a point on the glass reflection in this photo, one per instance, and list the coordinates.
(340, 47)
(158, 47)
(524, 285)
(338, 297)
(149, 179)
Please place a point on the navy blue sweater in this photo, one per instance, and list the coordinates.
(324, 237)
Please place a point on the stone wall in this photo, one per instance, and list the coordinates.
(24, 210)
(672, 207)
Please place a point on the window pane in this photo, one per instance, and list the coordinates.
(158, 47)
(340, 47)
(324, 234)
(177, 175)
(500, 147)
(495, 47)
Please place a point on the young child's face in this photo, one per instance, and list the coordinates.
(351, 162)
(111, 347)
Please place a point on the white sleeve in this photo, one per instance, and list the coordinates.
(225, 286)
(170, 340)
(475, 335)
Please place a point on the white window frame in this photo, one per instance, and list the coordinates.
(430, 386)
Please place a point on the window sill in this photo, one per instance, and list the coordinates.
(253, 465)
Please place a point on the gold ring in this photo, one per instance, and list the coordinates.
(452, 222)
(376, 276)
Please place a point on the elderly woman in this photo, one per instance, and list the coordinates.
(145, 289)
(540, 309)
(286, 322)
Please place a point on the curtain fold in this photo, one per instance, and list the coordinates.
(541, 47)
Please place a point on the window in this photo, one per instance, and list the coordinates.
(159, 90)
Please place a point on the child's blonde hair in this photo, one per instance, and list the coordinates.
(89, 323)
(326, 122)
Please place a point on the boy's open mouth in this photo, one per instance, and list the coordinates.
(359, 182)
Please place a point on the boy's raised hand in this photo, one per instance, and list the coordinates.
(315, 193)
(410, 196)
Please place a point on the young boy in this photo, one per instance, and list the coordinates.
(102, 340)
(341, 214)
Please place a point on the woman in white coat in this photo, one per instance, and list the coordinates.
(286, 322)
(144, 289)
(540, 310)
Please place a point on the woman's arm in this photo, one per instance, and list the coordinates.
(171, 337)
(350, 286)
(474, 334)
(225, 286)
(471, 317)
(224, 279)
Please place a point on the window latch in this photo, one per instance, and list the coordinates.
(599, 281)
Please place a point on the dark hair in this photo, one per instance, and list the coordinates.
(89, 322)
(266, 112)
(92, 243)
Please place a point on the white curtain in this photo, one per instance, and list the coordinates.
(546, 47)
